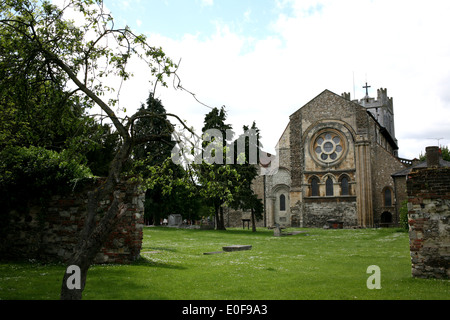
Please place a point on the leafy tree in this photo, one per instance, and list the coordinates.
(158, 204)
(37, 39)
(35, 110)
(174, 191)
(218, 181)
(154, 152)
(104, 142)
(212, 183)
(245, 198)
(36, 106)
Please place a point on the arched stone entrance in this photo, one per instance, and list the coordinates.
(281, 205)
(386, 219)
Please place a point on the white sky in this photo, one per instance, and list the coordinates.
(265, 59)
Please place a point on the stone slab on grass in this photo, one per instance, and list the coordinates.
(237, 248)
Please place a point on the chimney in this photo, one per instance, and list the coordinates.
(433, 156)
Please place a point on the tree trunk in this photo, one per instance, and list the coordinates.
(89, 246)
(93, 235)
(220, 222)
(253, 221)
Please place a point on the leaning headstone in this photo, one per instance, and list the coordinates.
(277, 231)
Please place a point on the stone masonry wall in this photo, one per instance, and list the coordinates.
(383, 165)
(49, 231)
(429, 222)
(316, 213)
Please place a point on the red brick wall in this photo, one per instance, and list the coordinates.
(429, 222)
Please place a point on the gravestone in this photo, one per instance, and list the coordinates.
(277, 231)
(175, 220)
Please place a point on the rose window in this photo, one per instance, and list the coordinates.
(328, 147)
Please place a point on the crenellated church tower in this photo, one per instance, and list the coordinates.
(382, 110)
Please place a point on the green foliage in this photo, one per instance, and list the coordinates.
(170, 190)
(404, 215)
(218, 182)
(245, 198)
(154, 127)
(100, 148)
(152, 162)
(215, 119)
(36, 109)
(35, 172)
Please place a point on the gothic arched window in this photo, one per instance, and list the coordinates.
(387, 197)
(329, 187)
(282, 202)
(314, 187)
(344, 187)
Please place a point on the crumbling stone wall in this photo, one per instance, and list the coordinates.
(48, 230)
(318, 212)
(429, 222)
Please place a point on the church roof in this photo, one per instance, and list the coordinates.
(383, 130)
(423, 164)
(326, 91)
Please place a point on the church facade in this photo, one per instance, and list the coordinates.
(334, 160)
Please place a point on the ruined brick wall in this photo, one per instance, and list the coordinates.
(48, 231)
(429, 222)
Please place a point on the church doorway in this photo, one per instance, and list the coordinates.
(386, 219)
(282, 207)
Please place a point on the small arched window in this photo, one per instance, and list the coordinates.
(387, 197)
(329, 187)
(314, 187)
(344, 187)
(282, 202)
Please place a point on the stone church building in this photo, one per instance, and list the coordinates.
(334, 160)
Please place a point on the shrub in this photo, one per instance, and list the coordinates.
(404, 215)
(36, 172)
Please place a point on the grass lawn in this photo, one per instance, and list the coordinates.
(319, 264)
